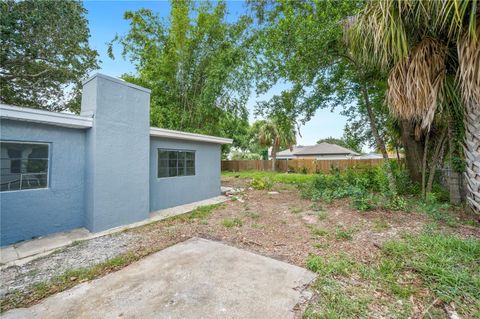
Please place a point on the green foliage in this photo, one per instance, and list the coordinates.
(357, 184)
(302, 43)
(45, 53)
(319, 231)
(240, 155)
(342, 233)
(447, 264)
(276, 132)
(261, 183)
(204, 211)
(232, 222)
(335, 302)
(197, 65)
(395, 203)
(438, 211)
(285, 178)
(335, 265)
(361, 199)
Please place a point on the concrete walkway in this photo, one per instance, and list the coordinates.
(23, 252)
(194, 279)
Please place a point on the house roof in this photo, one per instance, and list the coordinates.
(289, 152)
(161, 132)
(318, 149)
(25, 114)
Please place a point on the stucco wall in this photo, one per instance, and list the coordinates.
(117, 152)
(29, 213)
(171, 191)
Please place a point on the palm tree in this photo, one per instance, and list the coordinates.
(275, 133)
(421, 43)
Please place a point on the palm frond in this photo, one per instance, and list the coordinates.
(415, 84)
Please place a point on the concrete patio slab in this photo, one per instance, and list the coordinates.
(194, 279)
(23, 252)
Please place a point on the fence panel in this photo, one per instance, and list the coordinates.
(299, 165)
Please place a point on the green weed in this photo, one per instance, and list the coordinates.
(261, 183)
(319, 231)
(232, 222)
(344, 233)
(380, 225)
(203, 212)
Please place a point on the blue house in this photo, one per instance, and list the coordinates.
(101, 169)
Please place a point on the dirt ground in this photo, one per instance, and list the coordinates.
(280, 224)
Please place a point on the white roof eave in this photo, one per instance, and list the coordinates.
(26, 114)
(179, 135)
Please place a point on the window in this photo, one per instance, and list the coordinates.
(175, 163)
(23, 166)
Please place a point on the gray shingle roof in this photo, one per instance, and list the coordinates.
(319, 149)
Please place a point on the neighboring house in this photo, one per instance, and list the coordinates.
(369, 156)
(318, 151)
(103, 168)
(379, 156)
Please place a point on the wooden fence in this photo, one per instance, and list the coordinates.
(299, 165)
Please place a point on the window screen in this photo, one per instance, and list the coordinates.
(23, 166)
(175, 163)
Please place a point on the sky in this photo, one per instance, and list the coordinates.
(106, 20)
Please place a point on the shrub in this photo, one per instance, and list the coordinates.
(261, 183)
(361, 199)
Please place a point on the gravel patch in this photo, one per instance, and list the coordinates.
(78, 255)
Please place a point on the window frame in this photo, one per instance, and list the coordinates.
(160, 149)
(49, 157)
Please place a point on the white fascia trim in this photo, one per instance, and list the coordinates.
(161, 132)
(16, 113)
(116, 80)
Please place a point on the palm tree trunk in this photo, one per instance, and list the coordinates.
(274, 154)
(378, 140)
(472, 156)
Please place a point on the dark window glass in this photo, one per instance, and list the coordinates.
(23, 166)
(175, 163)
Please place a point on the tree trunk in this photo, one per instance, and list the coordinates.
(453, 177)
(378, 140)
(274, 154)
(413, 150)
(398, 155)
(424, 164)
(435, 159)
(472, 155)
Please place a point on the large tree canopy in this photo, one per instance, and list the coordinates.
(304, 44)
(44, 53)
(431, 50)
(196, 64)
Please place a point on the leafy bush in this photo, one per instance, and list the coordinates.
(395, 202)
(261, 183)
(361, 199)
